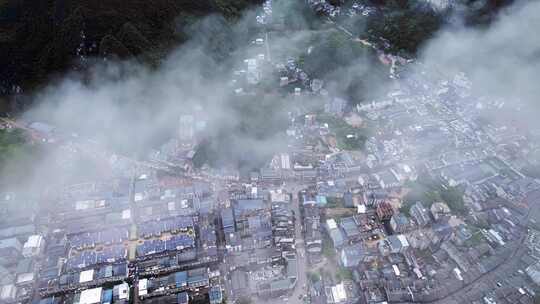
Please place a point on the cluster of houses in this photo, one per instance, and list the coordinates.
(259, 236)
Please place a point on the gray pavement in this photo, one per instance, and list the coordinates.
(301, 283)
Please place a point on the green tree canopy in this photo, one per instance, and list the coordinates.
(405, 25)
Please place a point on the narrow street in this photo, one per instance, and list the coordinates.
(301, 284)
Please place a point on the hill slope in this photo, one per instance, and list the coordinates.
(43, 37)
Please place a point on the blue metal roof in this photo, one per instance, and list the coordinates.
(177, 242)
(180, 278)
(215, 294)
(182, 298)
(321, 200)
(227, 219)
(106, 296)
(155, 228)
(248, 205)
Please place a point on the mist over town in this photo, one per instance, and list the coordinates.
(269, 151)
